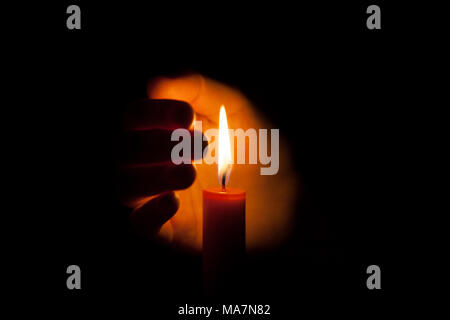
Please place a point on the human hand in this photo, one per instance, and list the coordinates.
(270, 199)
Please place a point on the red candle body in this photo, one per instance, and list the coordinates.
(223, 237)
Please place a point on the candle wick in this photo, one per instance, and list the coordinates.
(223, 183)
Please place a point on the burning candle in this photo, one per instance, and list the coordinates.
(223, 222)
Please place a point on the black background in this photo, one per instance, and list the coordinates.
(336, 91)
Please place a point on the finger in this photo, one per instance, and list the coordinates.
(205, 95)
(148, 114)
(149, 218)
(136, 183)
(155, 146)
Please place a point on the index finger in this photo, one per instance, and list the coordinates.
(146, 114)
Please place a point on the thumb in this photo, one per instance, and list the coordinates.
(204, 94)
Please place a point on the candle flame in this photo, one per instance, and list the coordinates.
(225, 161)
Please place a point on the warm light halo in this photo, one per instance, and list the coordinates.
(224, 150)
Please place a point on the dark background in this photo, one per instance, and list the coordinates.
(336, 91)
